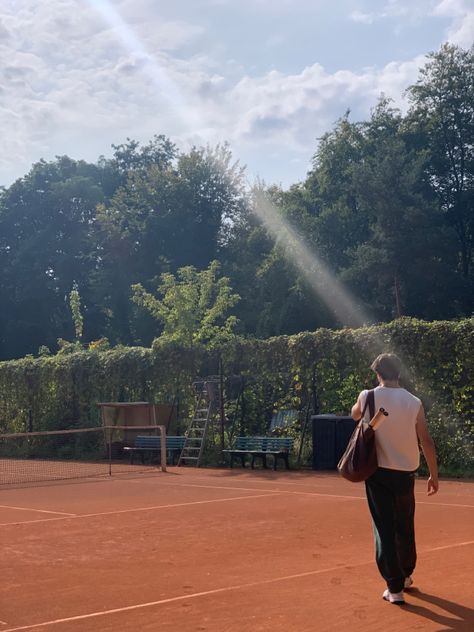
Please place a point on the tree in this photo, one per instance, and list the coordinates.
(47, 222)
(402, 267)
(193, 306)
(377, 224)
(78, 320)
(443, 110)
(339, 219)
(404, 242)
(166, 216)
(210, 187)
(130, 157)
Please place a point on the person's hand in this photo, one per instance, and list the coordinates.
(433, 486)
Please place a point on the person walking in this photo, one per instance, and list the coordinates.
(390, 490)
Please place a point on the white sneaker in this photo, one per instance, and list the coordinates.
(408, 582)
(396, 598)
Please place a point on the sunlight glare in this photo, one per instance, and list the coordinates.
(166, 88)
(317, 274)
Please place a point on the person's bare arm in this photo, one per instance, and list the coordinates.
(356, 412)
(429, 451)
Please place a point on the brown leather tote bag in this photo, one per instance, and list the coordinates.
(359, 460)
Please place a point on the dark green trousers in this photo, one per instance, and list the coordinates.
(391, 498)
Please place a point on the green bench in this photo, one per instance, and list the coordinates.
(147, 446)
(260, 448)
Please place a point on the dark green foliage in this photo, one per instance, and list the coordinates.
(443, 114)
(387, 208)
(62, 391)
(46, 245)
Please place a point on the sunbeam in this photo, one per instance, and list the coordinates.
(319, 277)
(322, 281)
(166, 89)
(314, 270)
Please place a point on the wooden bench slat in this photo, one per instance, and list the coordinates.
(277, 447)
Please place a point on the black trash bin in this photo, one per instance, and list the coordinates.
(331, 433)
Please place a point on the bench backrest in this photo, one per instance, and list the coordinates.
(279, 443)
(264, 443)
(153, 442)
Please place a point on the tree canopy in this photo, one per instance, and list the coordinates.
(387, 206)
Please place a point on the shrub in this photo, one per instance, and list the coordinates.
(321, 371)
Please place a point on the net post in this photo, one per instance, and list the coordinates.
(163, 447)
(109, 448)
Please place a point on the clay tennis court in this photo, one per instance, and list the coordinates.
(224, 551)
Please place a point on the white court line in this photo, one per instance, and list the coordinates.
(267, 492)
(18, 522)
(137, 509)
(254, 489)
(182, 597)
(297, 492)
(448, 546)
(61, 513)
(435, 504)
(194, 502)
(287, 491)
(215, 591)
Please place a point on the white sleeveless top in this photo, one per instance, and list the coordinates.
(396, 439)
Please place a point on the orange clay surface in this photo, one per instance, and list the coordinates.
(224, 551)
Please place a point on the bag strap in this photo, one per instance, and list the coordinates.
(370, 403)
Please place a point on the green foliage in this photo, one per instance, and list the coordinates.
(46, 244)
(454, 439)
(378, 224)
(194, 306)
(75, 303)
(102, 344)
(279, 373)
(388, 208)
(443, 114)
(65, 346)
(166, 215)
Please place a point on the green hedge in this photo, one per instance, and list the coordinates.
(284, 372)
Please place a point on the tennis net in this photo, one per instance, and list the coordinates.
(34, 457)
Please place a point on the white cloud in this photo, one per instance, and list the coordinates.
(74, 80)
(409, 11)
(295, 109)
(461, 31)
(272, 6)
(68, 79)
(459, 12)
(450, 8)
(363, 18)
(4, 32)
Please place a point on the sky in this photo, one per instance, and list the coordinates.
(269, 77)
